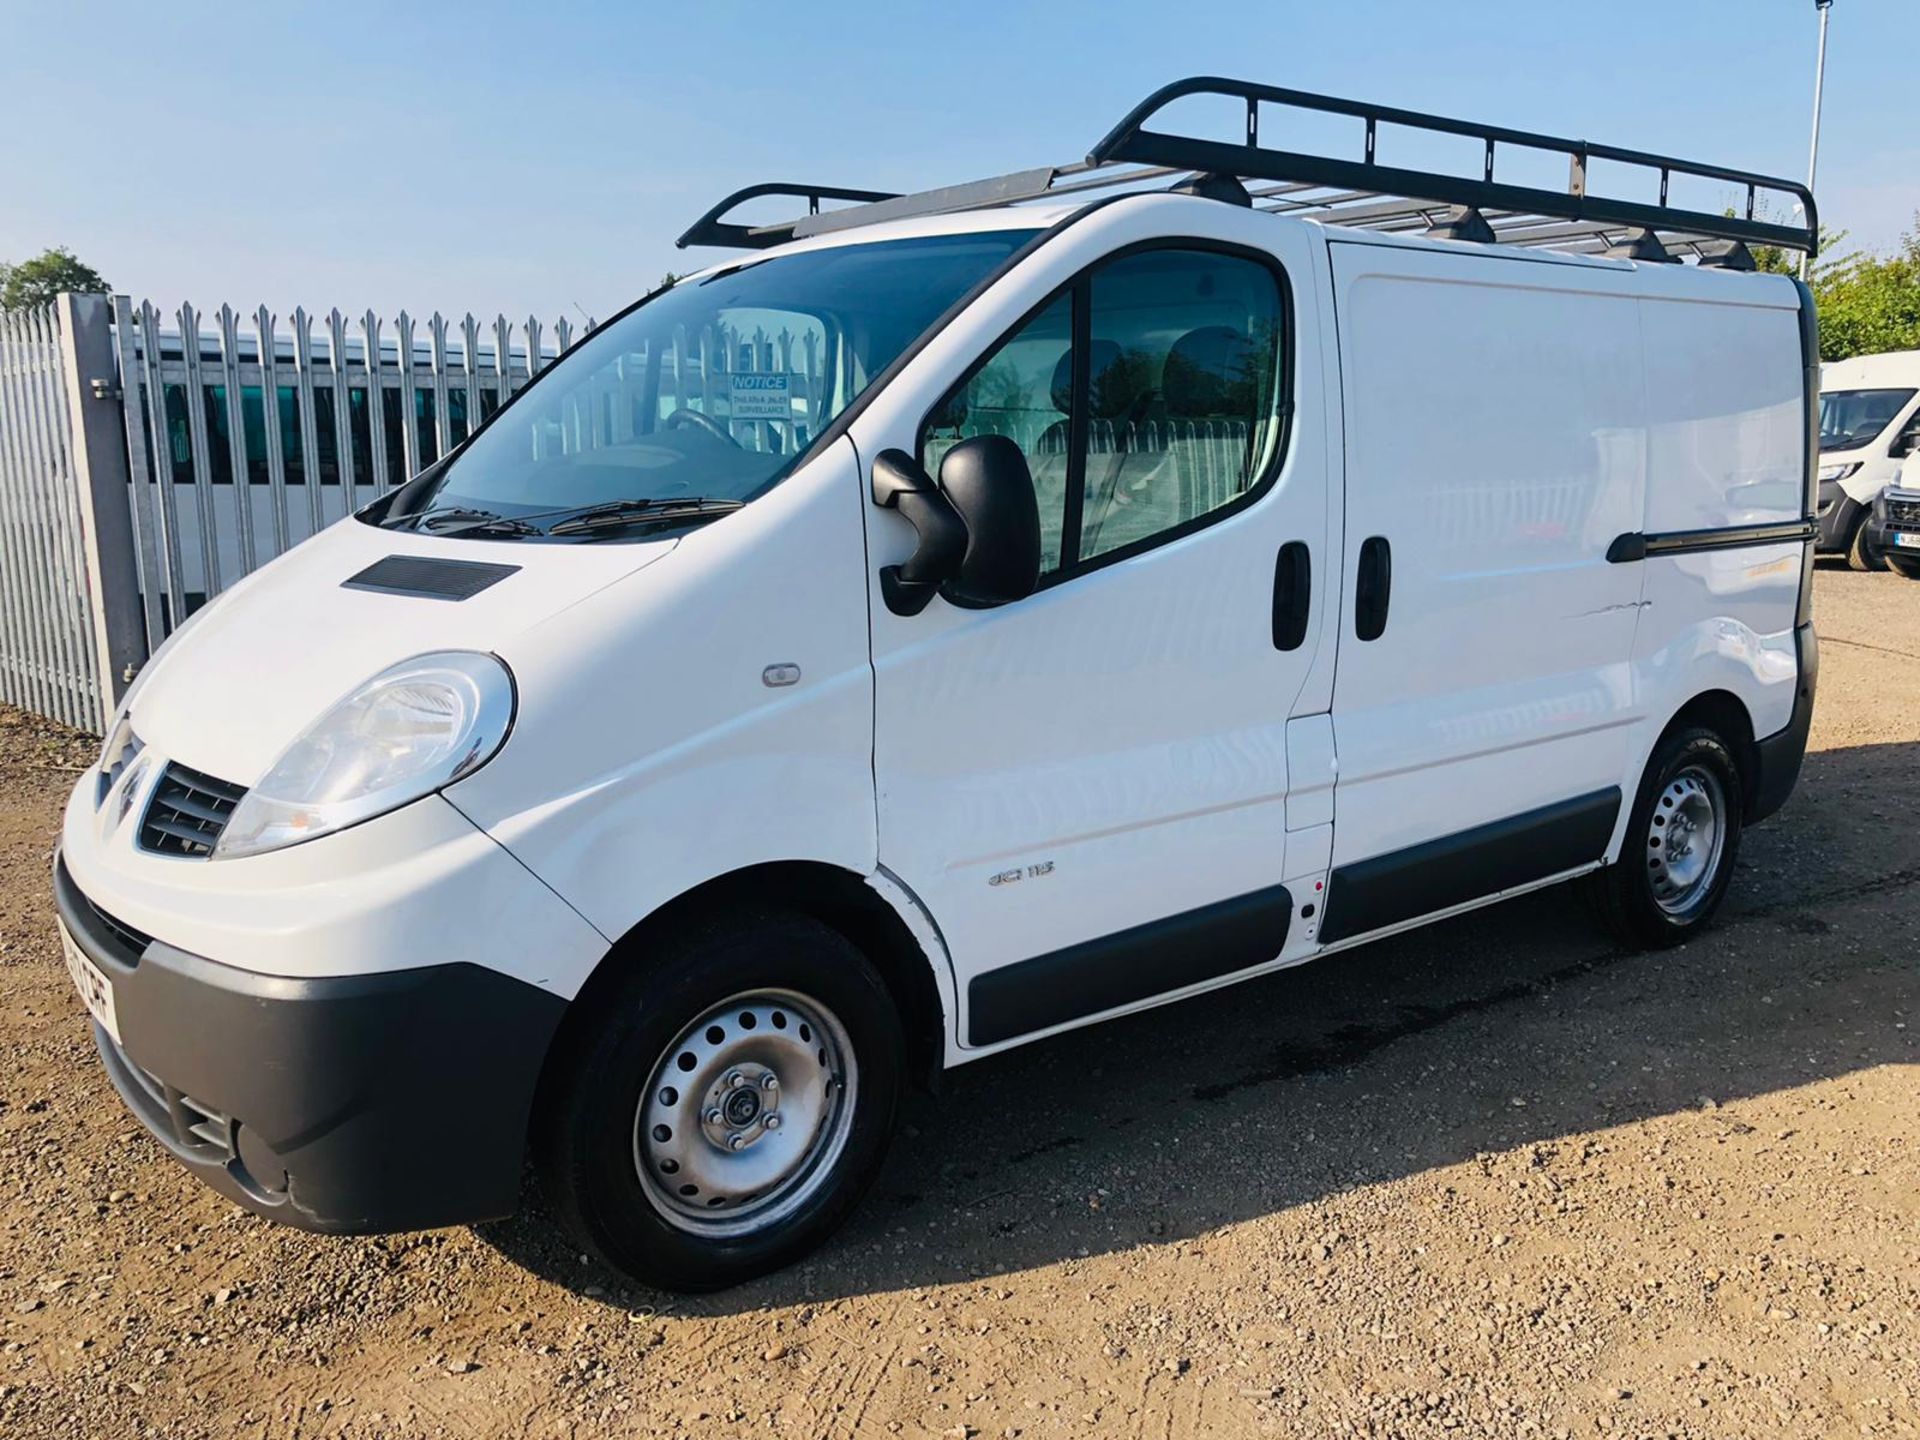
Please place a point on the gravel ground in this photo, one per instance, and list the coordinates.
(1493, 1178)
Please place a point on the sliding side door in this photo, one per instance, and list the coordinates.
(1496, 443)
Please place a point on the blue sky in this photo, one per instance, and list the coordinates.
(542, 157)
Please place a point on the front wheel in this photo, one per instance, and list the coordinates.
(1862, 553)
(1903, 566)
(1682, 837)
(726, 1104)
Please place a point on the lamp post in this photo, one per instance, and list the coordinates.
(1819, 84)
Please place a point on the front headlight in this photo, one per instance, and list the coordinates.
(411, 729)
(1837, 472)
(119, 750)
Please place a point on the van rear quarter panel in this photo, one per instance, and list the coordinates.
(1726, 445)
(1507, 417)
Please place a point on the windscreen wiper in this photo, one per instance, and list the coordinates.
(480, 522)
(619, 514)
(459, 520)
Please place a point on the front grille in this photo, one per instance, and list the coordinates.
(188, 811)
(1902, 512)
(135, 941)
(201, 1130)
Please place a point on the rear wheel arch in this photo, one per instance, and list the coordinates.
(1726, 714)
(1683, 821)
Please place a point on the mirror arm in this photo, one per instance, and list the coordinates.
(899, 483)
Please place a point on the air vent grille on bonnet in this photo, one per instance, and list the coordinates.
(426, 576)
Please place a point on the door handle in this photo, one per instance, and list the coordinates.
(1373, 588)
(1292, 595)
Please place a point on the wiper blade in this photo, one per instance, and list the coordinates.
(487, 525)
(415, 519)
(461, 520)
(618, 514)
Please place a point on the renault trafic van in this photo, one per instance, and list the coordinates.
(949, 620)
(1869, 423)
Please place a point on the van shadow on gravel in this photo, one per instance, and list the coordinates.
(1383, 1062)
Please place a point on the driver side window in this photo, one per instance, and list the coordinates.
(1022, 390)
(1166, 414)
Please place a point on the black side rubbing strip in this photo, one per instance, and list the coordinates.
(1130, 965)
(428, 576)
(1292, 595)
(1454, 869)
(1636, 546)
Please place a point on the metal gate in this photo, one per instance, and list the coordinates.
(148, 462)
(49, 644)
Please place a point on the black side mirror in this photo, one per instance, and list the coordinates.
(988, 482)
(899, 483)
(979, 527)
(1905, 443)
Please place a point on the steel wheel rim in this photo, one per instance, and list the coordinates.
(746, 1113)
(1686, 838)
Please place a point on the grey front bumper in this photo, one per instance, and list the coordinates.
(357, 1104)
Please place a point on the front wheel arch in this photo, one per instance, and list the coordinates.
(836, 897)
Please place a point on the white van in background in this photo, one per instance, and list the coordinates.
(1869, 424)
(1894, 530)
(1110, 582)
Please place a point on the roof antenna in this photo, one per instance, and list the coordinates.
(1462, 222)
(1641, 244)
(1212, 186)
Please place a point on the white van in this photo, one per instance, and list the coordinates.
(964, 617)
(1869, 424)
(1894, 529)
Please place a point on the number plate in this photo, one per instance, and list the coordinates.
(1906, 541)
(96, 990)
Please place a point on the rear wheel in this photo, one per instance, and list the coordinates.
(1682, 837)
(727, 1104)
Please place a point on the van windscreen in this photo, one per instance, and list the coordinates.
(1853, 417)
(700, 399)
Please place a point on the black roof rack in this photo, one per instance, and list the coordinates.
(1361, 192)
(712, 229)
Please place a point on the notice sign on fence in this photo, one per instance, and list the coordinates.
(762, 397)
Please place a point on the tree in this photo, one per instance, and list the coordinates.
(1870, 303)
(32, 283)
(1867, 303)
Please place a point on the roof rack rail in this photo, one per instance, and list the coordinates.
(1360, 192)
(712, 229)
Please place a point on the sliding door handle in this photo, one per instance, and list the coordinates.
(1373, 588)
(1292, 595)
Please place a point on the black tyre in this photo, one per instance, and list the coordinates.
(1904, 566)
(1862, 554)
(725, 1104)
(1683, 836)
